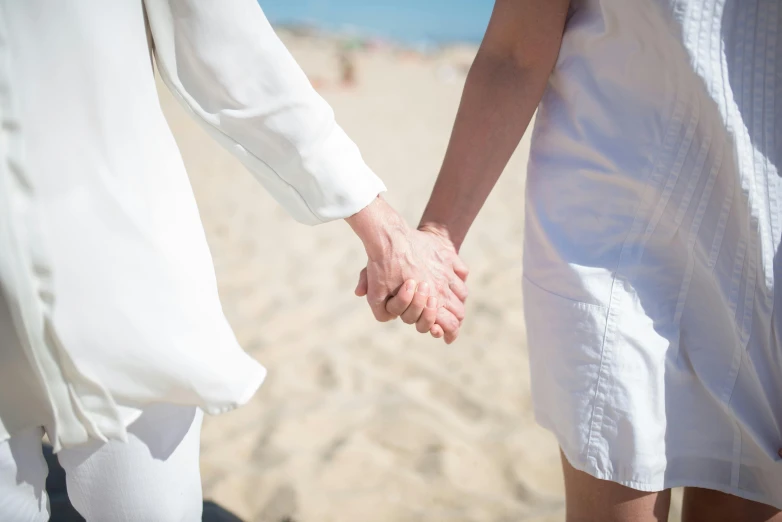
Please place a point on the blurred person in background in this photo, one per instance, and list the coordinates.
(653, 226)
(112, 337)
(347, 65)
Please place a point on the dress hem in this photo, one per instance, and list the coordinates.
(657, 486)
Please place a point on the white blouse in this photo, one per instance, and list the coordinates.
(109, 300)
(654, 221)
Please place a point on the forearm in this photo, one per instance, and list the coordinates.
(503, 89)
(497, 105)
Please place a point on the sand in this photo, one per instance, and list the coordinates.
(360, 421)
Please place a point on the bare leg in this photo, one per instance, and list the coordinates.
(593, 500)
(705, 505)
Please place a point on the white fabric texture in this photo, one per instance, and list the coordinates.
(651, 250)
(153, 477)
(109, 296)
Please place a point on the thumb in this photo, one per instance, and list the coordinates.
(363, 285)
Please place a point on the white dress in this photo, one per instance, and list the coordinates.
(109, 301)
(652, 245)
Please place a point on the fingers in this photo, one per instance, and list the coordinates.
(428, 317)
(380, 313)
(460, 269)
(377, 297)
(459, 288)
(436, 331)
(416, 308)
(449, 325)
(403, 298)
(414, 304)
(363, 285)
(455, 306)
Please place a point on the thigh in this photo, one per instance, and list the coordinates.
(153, 477)
(706, 505)
(23, 473)
(589, 499)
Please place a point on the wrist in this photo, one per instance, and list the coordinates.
(378, 226)
(442, 230)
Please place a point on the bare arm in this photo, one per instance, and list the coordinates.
(503, 89)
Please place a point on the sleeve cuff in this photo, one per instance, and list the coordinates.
(334, 182)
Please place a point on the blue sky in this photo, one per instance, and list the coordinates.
(408, 20)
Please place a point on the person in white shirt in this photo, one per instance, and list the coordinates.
(112, 337)
(652, 241)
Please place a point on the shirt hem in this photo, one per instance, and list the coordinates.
(131, 414)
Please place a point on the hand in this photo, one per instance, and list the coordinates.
(413, 300)
(420, 255)
(397, 254)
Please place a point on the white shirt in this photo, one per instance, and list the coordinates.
(109, 295)
(653, 228)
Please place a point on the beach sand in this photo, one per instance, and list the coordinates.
(360, 421)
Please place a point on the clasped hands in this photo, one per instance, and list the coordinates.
(413, 274)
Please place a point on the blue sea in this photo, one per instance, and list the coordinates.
(408, 21)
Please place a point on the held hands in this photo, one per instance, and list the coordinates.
(413, 274)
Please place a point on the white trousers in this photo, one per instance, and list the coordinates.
(153, 478)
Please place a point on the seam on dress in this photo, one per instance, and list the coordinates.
(687, 197)
(755, 231)
(769, 145)
(750, 283)
(735, 470)
(705, 197)
(751, 286)
(760, 72)
(653, 179)
(693, 240)
(580, 304)
(672, 179)
(745, 184)
(602, 387)
(727, 204)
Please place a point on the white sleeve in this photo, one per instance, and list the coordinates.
(224, 62)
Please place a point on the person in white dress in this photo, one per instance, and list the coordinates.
(652, 235)
(112, 337)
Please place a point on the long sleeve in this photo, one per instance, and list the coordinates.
(223, 61)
